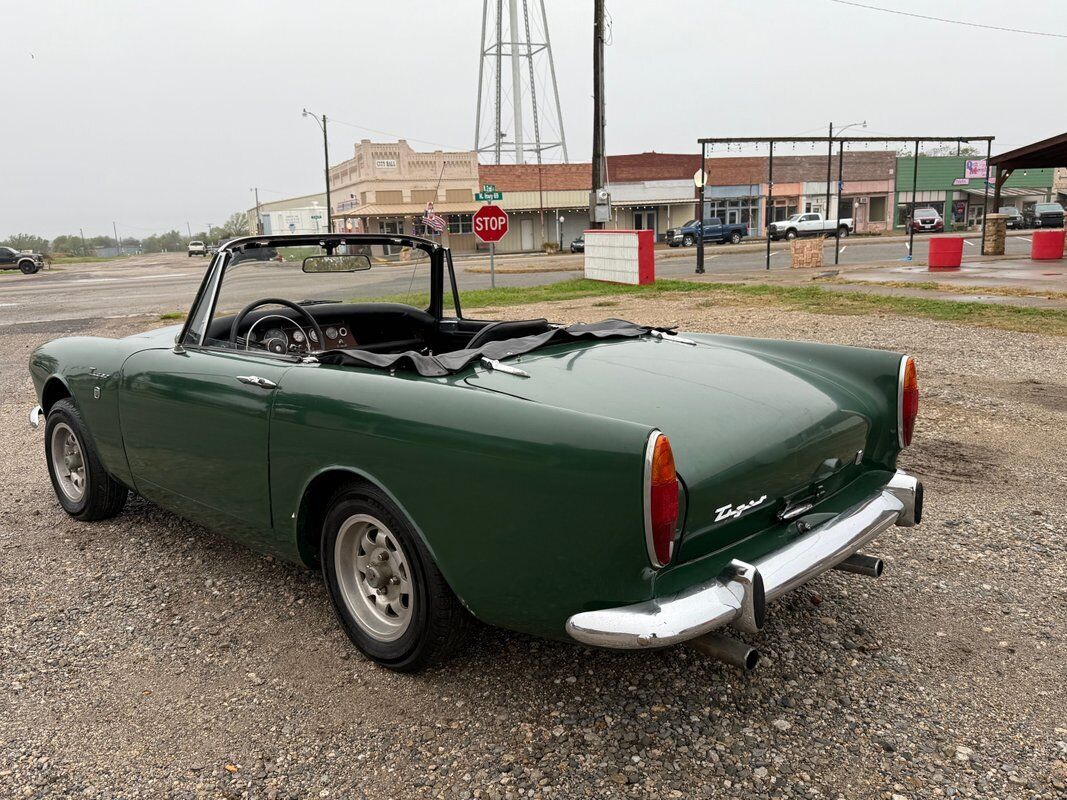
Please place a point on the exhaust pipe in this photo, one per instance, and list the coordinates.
(729, 651)
(863, 565)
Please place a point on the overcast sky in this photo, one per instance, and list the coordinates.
(154, 114)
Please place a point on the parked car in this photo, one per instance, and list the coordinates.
(927, 220)
(1015, 217)
(609, 483)
(28, 262)
(1045, 215)
(197, 248)
(714, 231)
(809, 224)
(578, 244)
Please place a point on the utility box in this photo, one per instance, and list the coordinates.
(620, 256)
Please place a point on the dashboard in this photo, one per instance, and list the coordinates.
(281, 335)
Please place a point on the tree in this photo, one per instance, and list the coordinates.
(236, 225)
(170, 242)
(27, 241)
(941, 150)
(71, 244)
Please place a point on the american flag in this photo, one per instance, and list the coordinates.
(433, 220)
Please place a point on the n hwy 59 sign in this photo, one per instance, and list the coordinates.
(490, 223)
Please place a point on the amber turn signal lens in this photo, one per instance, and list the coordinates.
(909, 401)
(661, 511)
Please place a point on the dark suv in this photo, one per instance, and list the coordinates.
(1015, 217)
(1045, 215)
(29, 263)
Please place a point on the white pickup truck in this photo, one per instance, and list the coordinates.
(808, 225)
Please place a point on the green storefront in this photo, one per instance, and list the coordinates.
(940, 186)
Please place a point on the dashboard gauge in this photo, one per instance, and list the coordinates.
(331, 332)
(298, 337)
(313, 336)
(275, 340)
(342, 332)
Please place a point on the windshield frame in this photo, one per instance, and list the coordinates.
(208, 293)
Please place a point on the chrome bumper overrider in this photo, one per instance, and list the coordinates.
(737, 597)
(35, 416)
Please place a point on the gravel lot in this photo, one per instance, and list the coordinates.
(147, 657)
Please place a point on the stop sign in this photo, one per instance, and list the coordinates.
(490, 223)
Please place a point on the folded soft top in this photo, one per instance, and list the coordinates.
(435, 366)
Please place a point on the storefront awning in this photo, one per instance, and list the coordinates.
(1014, 191)
(406, 209)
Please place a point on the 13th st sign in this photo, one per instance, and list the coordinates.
(490, 224)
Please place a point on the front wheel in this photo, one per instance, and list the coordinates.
(790, 235)
(28, 267)
(688, 241)
(82, 485)
(391, 599)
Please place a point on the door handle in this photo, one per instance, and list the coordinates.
(255, 380)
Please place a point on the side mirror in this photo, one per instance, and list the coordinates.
(346, 263)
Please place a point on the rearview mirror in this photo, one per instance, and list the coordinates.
(352, 263)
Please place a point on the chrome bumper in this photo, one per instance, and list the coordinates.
(737, 597)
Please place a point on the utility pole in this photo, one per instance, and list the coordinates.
(85, 249)
(118, 244)
(598, 107)
(326, 157)
(259, 222)
(829, 163)
(189, 229)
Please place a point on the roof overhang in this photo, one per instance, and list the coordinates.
(1014, 191)
(1051, 152)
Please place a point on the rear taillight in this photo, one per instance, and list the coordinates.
(907, 401)
(661, 500)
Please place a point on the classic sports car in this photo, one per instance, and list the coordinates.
(608, 483)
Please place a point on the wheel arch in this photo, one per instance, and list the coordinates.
(52, 392)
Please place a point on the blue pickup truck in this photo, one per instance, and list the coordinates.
(714, 231)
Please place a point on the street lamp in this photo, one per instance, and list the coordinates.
(830, 159)
(326, 157)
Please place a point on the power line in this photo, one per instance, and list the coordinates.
(393, 135)
(950, 21)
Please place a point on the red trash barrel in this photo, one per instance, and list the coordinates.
(946, 252)
(1047, 245)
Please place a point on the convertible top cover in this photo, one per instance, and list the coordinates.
(450, 363)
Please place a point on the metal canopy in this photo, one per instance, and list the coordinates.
(1050, 152)
(846, 139)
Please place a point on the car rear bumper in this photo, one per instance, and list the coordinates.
(737, 597)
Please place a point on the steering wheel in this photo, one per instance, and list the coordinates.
(240, 318)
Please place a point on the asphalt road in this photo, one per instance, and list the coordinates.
(162, 283)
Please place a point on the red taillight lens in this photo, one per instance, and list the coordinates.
(661, 507)
(909, 400)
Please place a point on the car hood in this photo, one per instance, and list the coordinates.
(745, 427)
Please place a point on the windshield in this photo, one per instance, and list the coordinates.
(309, 276)
(1012, 210)
(1047, 208)
(926, 212)
(794, 218)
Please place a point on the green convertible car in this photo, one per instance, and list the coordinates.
(608, 483)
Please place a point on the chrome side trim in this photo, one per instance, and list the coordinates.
(497, 366)
(35, 416)
(702, 608)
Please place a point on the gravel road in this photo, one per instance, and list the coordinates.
(149, 658)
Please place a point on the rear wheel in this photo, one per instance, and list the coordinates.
(82, 485)
(735, 237)
(391, 599)
(844, 231)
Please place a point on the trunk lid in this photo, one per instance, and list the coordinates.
(752, 433)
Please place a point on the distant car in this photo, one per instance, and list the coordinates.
(29, 263)
(809, 224)
(1044, 215)
(578, 245)
(1015, 217)
(714, 231)
(197, 248)
(927, 220)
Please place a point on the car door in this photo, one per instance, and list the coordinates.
(7, 257)
(713, 229)
(195, 427)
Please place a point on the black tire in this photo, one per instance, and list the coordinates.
(102, 496)
(28, 267)
(844, 231)
(687, 241)
(438, 623)
(790, 235)
(735, 237)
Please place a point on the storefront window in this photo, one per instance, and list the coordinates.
(460, 223)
